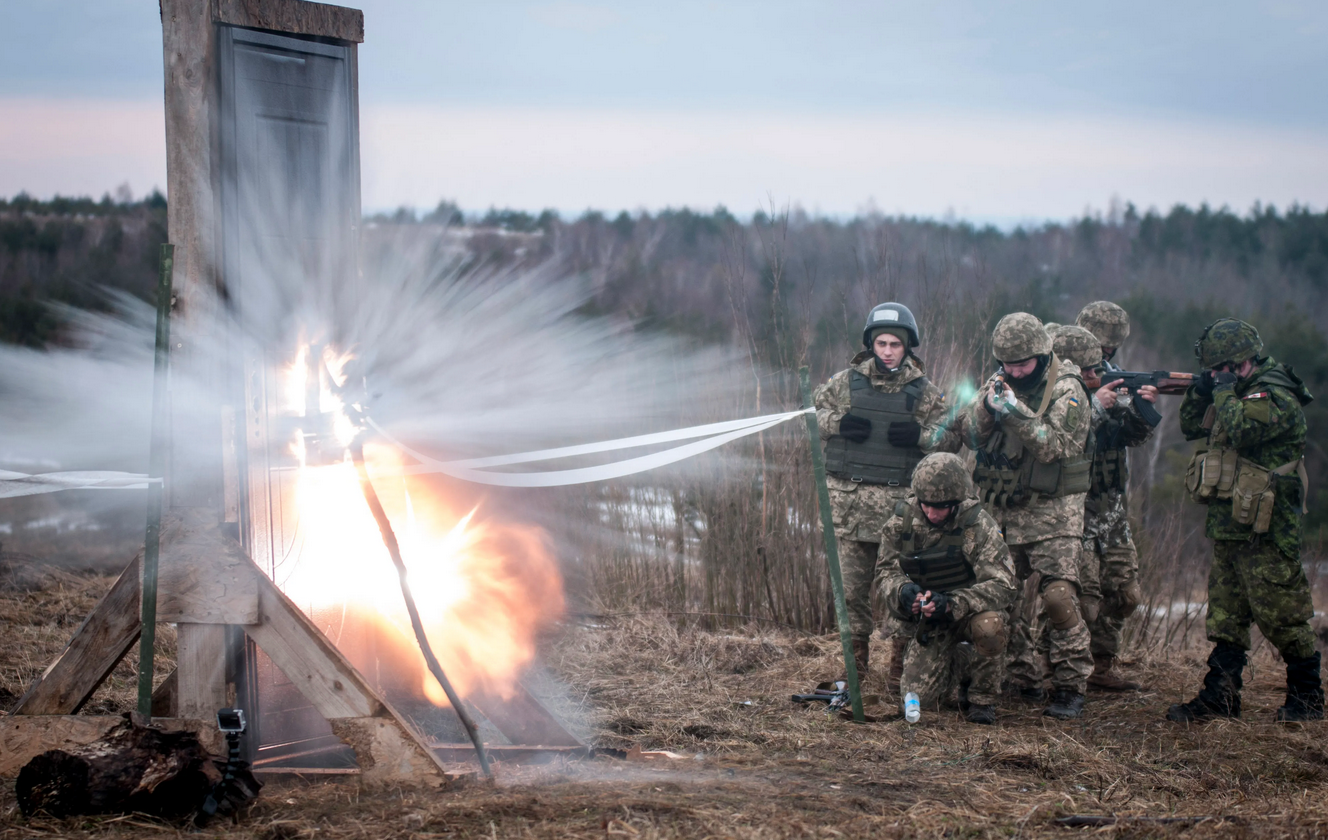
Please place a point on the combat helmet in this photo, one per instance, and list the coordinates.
(1107, 321)
(1076, 344)
(895, 315)
(1019, 336)
(941, 477)
(1227, 340)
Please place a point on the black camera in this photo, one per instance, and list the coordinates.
(231, 721)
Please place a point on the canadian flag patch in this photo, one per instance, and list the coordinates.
(1260, 395)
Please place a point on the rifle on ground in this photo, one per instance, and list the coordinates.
(1167, 382)
(834, 694)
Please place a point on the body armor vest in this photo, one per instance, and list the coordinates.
(1006, 476)
(943, 567)
(875, 460)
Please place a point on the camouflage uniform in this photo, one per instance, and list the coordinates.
(1255, 577)
(1110, 556)
(1044, 534)
(933, 669)
(859, 509)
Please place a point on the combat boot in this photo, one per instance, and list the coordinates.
(1107, 677)
(1220, 695)
(1304, 697)
(1026, 693)
(1066, 704)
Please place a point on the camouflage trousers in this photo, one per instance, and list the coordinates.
(1258, 583)
(857, 565)
(935, 669)
(1035, 646)
(1103, 576)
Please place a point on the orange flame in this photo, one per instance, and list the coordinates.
(484, 587)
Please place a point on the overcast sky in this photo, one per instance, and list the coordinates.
(990, 111)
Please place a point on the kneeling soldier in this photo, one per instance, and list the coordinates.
(945, 571)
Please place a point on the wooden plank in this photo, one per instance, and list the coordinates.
(201, 670)
(387, 752)
(164, 697)
(22, 737)
(205, 576)
(308, 658)
(98, 645)
(293, 16)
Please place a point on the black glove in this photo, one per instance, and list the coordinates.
(904, 434)
(944, 607)
(855, 428)
(908, 593)
(1204, 386)
(1223, 379)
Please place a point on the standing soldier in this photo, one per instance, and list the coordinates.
(1117, 424)
(1251, 474)
(878, 418)
(1028, 425)
(945, 573)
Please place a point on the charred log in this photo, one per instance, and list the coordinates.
(134, 768)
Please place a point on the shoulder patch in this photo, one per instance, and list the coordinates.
(1258, 395)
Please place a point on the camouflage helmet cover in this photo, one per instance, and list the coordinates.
(1019, 336)
(1076, 344)
(1106, 320)
(941, 477)
(1227, 340)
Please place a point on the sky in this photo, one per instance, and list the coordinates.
(993, 112)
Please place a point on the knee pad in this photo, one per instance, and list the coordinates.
(1127, 600)
(987, 632)
(1059, 599)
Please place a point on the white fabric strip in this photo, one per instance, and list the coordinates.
(14, 484)
(467, 470)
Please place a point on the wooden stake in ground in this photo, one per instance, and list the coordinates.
(156, 470)
(831, 546)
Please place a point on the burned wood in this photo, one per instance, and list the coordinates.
(133, 768)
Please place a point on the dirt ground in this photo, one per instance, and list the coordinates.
(754, 765)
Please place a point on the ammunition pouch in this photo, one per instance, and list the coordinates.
(1221, 474)
(942, 567)
(875, 460)
(1014, 486)
(1211, 474)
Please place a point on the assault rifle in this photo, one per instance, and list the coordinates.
(1165, 381)
(834, 694)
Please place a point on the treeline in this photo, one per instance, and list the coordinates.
(794, 288)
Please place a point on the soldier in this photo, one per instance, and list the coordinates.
(878, 417)
(1108, 544)
(945, 573)
(1251, 474)
(1028, 425)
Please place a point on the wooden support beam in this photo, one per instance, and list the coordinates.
(200, 670)
(205, 576)
(97, 646)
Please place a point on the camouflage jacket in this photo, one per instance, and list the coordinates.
(860, 510)
(984, 549)
(1061, 432)
(1106, 516)
(1265, 423)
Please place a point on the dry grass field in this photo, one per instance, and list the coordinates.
(753, 765)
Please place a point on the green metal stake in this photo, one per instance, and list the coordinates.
(156, 470)
(831, 546)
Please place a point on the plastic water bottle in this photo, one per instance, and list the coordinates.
(912, 710)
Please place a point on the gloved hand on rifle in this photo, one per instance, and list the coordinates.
(904, 434)
(855, 428)
(1210, 380)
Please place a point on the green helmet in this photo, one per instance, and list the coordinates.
(941, 477)
(892, 316)
(1227, 340)
(1019, 336)
(1104, 319)
(1076, 344)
